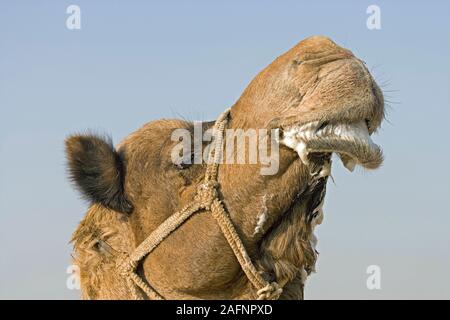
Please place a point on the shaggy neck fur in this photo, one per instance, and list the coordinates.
(287, 252)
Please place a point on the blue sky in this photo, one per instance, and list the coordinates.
(136, 61)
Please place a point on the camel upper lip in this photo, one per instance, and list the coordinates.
(351, 141)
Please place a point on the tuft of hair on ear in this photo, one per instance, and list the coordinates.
(97, 170)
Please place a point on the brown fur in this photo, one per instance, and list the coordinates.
(99, 240)
(315, 81)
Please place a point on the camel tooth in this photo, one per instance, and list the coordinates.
(277, 132)
(302, 152)
(350, 164)
(326, 170)
(292, 140)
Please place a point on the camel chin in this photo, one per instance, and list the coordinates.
(351, 141)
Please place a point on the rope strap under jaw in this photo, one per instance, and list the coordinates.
(206, 198)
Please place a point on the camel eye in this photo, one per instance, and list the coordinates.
(102, 247)
(368, 124)
(96, 246)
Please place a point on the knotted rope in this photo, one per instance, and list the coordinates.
(206, 198)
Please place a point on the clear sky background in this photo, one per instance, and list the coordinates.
(136, 61)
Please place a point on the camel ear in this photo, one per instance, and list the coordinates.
(97, 170)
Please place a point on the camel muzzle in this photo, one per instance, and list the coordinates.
(351, 141)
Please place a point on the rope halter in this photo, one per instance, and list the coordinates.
(206, 198)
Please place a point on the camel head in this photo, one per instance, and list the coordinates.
(315, 100)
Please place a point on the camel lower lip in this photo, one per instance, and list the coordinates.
(351, 142)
